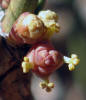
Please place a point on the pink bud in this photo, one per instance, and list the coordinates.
(45, 59)
(27, 29)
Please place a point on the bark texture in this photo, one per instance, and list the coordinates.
(13, 83)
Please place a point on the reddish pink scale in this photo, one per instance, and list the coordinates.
(45, 59)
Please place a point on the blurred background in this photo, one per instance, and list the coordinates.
(70, 39)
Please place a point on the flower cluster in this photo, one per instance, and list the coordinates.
(30, 28)
(42, 58)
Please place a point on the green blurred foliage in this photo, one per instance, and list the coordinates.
(76, 44)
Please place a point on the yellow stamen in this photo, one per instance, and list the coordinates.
(47, 85)
(51, 85)
(75, 61)
(26, 59)
(42, 85)
(71, 67)
(72, 62)
(74, 56)
(26, 65)
(50, 20)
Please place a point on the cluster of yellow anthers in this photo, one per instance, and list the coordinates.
(47, 85)
(50, 20)
(72, 62)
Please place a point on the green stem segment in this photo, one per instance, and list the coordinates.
(15, 8)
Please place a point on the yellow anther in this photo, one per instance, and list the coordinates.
(74, 56)
(71, 67)
(49, 19)
(54, 28)
(26, 59)
(50, 85)
(75, 61)
(48, 15)
(66, 59)
(43, 85)
(26, 65)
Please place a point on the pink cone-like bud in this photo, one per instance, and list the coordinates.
(45, 59)
(27, 29)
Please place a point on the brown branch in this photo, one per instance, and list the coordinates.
(13, 83)
(16, 86)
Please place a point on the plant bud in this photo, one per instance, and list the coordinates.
(44, 58)
(27, 29)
